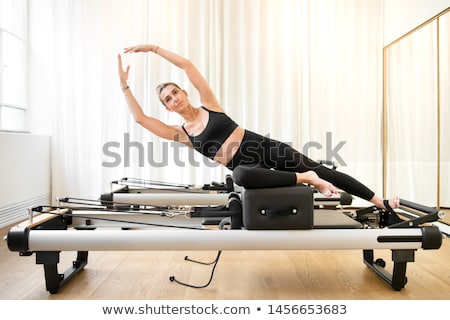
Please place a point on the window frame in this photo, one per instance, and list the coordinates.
(5, 105)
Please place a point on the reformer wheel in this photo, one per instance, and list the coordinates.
(346, 199)
(380, 262)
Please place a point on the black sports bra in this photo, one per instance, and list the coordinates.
(219, 128)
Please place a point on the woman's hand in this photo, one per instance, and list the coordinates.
(123, 74)
(140, 48)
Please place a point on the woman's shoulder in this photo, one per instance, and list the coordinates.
(213, 108)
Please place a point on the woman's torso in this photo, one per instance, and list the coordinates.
(215, 135)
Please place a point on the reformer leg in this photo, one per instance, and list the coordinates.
(53, 279)
(397, 280)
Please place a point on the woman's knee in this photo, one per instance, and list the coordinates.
(245, 175)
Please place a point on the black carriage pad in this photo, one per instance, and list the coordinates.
(278, 208)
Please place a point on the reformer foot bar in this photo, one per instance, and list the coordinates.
(259, 219)
(168, 240)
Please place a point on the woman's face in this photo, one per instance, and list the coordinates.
(174, 98)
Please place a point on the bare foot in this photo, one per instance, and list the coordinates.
(324, 187)
(394, 203)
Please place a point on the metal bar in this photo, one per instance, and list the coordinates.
(162, 240)
(167, 199)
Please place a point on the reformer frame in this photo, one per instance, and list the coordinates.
(105, 226)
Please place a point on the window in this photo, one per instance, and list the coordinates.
(13, 65)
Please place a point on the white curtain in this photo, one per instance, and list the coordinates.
(412, 114)
(444, 65)
(305, 72)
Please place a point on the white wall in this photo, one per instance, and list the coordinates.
(25, 164)
(401, 16)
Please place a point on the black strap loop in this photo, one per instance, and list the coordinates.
(279, 212)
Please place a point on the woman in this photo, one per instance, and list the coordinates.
(262, 161)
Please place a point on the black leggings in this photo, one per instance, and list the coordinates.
(262, 162)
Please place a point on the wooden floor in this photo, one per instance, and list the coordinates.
(239, 275)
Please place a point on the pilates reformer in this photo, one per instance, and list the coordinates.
(128, 192)
(251, 219)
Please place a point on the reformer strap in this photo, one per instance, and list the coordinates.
(388, 206)
(392, 217)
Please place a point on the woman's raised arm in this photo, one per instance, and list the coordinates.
(207, 95)
(154, 125)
